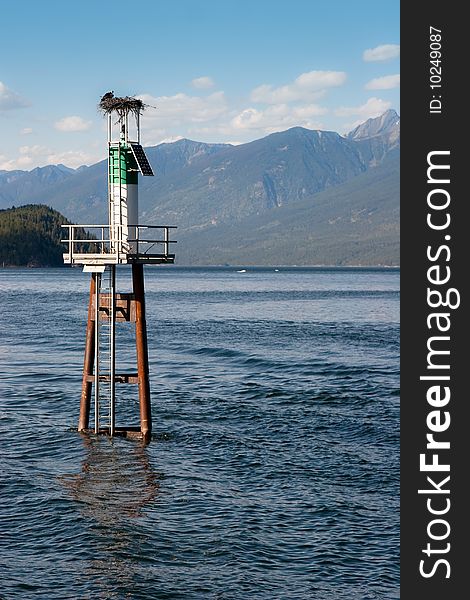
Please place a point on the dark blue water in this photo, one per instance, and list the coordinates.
(274, 468)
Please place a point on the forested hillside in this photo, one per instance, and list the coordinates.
(30, 236)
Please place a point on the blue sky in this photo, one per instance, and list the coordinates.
(216, 70)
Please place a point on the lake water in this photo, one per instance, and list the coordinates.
(273, 472)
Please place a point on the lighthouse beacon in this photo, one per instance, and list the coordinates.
(101, 249)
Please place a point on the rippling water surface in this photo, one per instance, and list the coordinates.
(273, 473)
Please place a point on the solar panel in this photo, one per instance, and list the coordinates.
(141, 159)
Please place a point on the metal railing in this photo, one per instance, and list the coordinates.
(114, 243)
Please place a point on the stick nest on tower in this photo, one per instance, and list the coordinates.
(110, 103)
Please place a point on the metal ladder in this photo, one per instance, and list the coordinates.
(105, 370)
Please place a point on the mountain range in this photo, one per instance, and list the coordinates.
(295, 197)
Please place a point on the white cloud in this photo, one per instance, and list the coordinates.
(387, 82)
(22, 163)
(277, 117)
(210, 118)
(72, 123)
(374, 107)
(380, 53)
(26, 131)
(29, 158)
(34, 156)
(184, 108)
(171, 139)
(33, 150)
(202, 83)
(248, 119)
(72, 158)
(175, 115)
(306, 87)
(9, 100)
(308, 110)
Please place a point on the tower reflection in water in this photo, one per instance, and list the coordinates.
(114, 490)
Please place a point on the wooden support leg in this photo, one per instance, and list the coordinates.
(88, 361)
(142, 351)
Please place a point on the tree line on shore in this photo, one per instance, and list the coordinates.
(30, 236)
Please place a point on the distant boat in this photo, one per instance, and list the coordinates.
(242, 271)
(276, 270)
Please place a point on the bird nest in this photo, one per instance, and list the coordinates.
(122, 106)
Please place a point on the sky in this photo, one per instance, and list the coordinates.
(227, 71)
